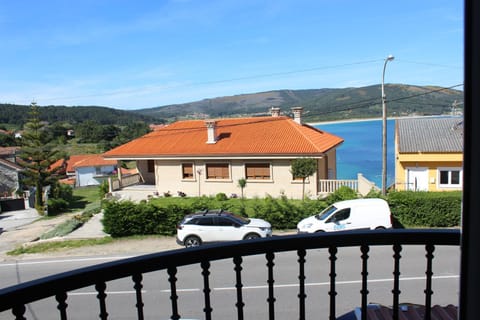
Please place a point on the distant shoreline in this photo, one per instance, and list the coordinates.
(371, 119)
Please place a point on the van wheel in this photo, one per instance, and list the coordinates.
(251, 236)
(319, 231)
(380, 228)
(192, 241)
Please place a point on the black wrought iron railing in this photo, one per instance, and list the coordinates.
(17, 298)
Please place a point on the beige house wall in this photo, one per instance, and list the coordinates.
(168, 177)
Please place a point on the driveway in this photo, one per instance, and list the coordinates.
(11, 220)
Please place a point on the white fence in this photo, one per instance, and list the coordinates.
(126, 181)
(361, 185)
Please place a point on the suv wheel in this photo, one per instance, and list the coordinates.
(251, 236)
(192, 241)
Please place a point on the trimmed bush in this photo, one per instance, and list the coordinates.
(426, 209)
(56, 206)
(221, 197)
(125, 218)
(342, 193)
(283, 213)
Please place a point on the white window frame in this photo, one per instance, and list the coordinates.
(449, 185)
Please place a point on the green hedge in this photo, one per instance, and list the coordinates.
(426, 209)
(125, 218)
(410, 209)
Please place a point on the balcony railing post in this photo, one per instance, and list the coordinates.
(19, 312)
(429, 273)
(172, 272)
(137, 280)
(333, 293)
(237, 260)
(271, 296)
(101, 296)
(206, 289)
(62, 305)
(364, 249)
(301, 279)
(396, 279)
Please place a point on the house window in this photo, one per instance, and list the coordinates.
(151, 165)
(297, 178)
(257, 171)
(450, 177)
(218, 171)
(187, 170)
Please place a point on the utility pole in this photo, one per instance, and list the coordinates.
(384, 129)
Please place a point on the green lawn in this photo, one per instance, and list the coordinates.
(85, 198)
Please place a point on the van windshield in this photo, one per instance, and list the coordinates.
(325, 213)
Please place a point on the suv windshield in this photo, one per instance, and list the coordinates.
(325, 213)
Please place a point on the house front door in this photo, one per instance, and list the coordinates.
(417, 179)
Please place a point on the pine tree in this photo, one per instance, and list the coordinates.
(36, 156)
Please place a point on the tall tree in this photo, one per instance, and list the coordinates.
(303, 168)
(37, 155)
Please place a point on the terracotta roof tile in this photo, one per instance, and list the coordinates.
(235, 137)
(87, 160)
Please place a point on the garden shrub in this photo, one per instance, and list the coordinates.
(103, 189)
(56, 206)
(126, 218)
(61, 191)
(221, 196)
(281, 213)
(426, 209)
(342, 193)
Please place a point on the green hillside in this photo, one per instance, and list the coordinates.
(17, 115)
(320, 104)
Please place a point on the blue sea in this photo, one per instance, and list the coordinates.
(361, 152)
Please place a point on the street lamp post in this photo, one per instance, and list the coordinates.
(384, 130)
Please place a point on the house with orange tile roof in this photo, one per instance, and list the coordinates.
(205, 157)
(86, 169)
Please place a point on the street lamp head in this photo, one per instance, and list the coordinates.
(390, 57)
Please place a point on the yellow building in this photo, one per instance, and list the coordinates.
(429, 154)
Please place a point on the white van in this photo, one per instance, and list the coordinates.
(349, 215)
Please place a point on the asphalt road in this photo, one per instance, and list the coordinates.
(82, 304)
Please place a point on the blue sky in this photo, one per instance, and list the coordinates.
(143, 54)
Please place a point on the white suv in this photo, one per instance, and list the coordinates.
(215, 226)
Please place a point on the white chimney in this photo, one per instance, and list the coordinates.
(211, 125)
(297, 114)
(275, 111)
